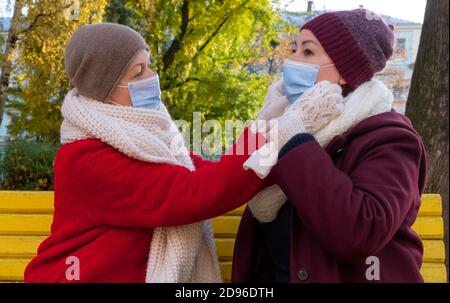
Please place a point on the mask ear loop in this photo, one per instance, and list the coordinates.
(327, 66)
(341, 81)
(115, 103)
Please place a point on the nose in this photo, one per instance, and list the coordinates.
(148, 72)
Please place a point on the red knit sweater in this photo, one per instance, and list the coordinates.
(107, 204)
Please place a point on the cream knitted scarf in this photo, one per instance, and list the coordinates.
(177, 254)
(370, 99)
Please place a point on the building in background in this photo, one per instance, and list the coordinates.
(398, 73)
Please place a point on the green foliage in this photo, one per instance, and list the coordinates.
(204, 50)
(41, 83)
(117, 12)
(27, 165)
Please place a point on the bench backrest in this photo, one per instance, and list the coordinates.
(26, 217)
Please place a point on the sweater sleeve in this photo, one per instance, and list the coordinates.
(121, 191)
(355, 214)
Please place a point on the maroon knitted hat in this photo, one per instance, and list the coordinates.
(358, 41)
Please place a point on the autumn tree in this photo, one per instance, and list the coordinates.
(205, 51)
(7, 57)
(38, 35)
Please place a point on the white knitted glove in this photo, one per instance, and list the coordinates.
(266, 203)
(319, 105)
(275, 102)
(311, 112)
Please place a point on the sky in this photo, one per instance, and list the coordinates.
(411, 10)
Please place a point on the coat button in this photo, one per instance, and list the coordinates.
(303, 274)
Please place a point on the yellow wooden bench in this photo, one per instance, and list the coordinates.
(25, 219)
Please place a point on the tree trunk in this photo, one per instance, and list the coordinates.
(8, 56)
(427, 104)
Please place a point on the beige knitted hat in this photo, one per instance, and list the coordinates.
(97, 55)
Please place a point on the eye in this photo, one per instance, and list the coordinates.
(141, 70)
(307, 52)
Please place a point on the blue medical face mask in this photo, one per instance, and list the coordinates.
(298, 77)
(145, 93)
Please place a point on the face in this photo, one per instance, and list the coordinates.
(137, 70)
(309, 50)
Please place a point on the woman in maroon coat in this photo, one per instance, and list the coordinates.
(339, 206)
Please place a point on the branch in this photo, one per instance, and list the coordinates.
(176, 44)
(166, 87)
(41, 15)
(216, 31)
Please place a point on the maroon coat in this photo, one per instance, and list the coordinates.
(356, 198)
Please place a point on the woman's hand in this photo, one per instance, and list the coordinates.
(275, 102)
(311, 112)
(319, 105)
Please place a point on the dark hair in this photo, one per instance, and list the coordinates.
(346, 89)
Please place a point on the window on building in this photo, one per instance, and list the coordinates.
(400, 49)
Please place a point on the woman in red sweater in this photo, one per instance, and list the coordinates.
(131, 203)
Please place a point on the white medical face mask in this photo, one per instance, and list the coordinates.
(298, 77)
(145, 93)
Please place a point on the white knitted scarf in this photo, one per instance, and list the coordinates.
(370, 99)
(177, 254)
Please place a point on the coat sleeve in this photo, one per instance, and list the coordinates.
(354, 215)
(121, 191)
(199, 161)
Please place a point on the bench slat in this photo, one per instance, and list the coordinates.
(433, 251)
(431, 205)
(225, 248)
(431, 273)
(38, 202)
(426, 227)
(223, 226)
(434, 273)
(26, 202)
(12, 224)
(429, 228)
(12, 270)
(226, 226)
(19, 246)
(26, 247)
